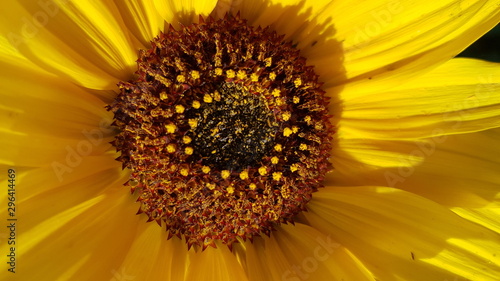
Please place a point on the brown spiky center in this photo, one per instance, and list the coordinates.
(225, 130)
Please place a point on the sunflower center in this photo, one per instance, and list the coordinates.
(225, 131)
(234, 132)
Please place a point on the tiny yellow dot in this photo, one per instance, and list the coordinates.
(295, 129)
(205, 169)
(196, 104)
(230, 189)
(188, 150)
(242, 74)
(195, 74)
(287, 132)
(163, 95)
(286, 115)
(294, 167)
(263, 171)
(279, 101)
(272, 76)
(225, 174)
(278, 147)
(230, 73)
(244, 175)
(171, 148)
(254, 77)
(307, 119)
(170, 128)
(275, 160)
(252, 186)
(181, 78)
(218, 71)
(184, 172)
(179, 108)
(303, 146)
(296, 99)
(193, 123)
(277, 176)
(207, 98)
(211, 186)
(186, 139)
(276, 92)
(297, 82)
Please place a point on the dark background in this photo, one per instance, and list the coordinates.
(486, 48)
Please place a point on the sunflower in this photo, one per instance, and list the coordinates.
(256, 140)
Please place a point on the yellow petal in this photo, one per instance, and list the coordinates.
(375, 40)
(152, 257)
(455, 171)
(402, 236)
(74, 225)
(142, 19)
(86, 42)
(461, 96)
(214, 264)
(184, 12)
(300, 252)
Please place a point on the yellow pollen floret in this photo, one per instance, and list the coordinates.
(277, 176)
(230, 189)
(188, 150)
(287, 132)
(181, 78)
(179, 108)
(275, 160)
(296, 99)
(211, 186)
(184, 172)
(297, 82)
(186, 139)
(193, 123)
(205, 169)
(218, 71)
(252, 186)
(307, 119)
(276, 92)
(303, 146)
(163, 95)
(225, 174)
(207, 98)
(170, 128)
(268, 61)
(286, 115)
(278, 147)
(171, 148)
(295, 129)
(244, 175)
(294, 167)
(263, 171)
(230, 73)
(272, 76)
(242, 74)
(195, 74)
(254, 77)
(196, 104)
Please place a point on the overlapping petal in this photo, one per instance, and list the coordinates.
(401, 236)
